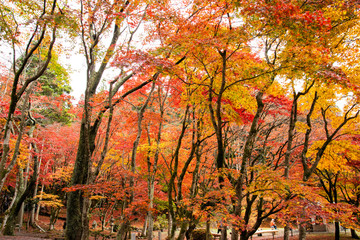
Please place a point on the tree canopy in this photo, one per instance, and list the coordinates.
(194, 113)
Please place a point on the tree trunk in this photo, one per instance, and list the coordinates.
(223, 233)
(38, 207)
(173, 228)
(15, 200)
(286, 232)
(234, 234)
(53, 217)
(183, 230)
(244, 162)
(33, 206)
(337, 230)
(11, 222)
(124, 232)
(354, 234)
(150, 212)
(77, 222)
(244, 236)
(170, 221)
(189, 231)
(20, 87)
(302, 232)
(208, 234)
(144, 231)
(21, 214)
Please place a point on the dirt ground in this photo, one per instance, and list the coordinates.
(35, 234)
(26, 236)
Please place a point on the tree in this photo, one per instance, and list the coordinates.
(45, 20)
(95, 20)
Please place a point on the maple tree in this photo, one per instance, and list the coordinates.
(19, 85)
(34, 27)
(349, 183)
(227, 111)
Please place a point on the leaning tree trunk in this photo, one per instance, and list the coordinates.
(354, 234)
(19, 189)
(20, 178)
(11, 223)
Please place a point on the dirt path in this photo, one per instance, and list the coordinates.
(27, 236)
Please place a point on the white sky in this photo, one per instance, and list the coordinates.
(76, 63)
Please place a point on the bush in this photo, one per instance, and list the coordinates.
(200, 234)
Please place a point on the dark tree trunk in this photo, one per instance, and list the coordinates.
(354, 234)
(337, 230)
(124, 231)
(11, 222)
(77, 223)
(183, 229)
(189, 231)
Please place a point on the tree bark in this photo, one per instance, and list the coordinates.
(337, 230)
(18, 91)
(286, 232)
(302, 232)
(77, 223)
(11, 223)
(354, 234)
(246, 157)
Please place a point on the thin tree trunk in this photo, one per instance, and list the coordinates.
(38, 207)
(21, 214)
(151, 206)
(170, 221)
(33, 206)
(145, 227)
(293, 120)
(126, 225)
(337, 230)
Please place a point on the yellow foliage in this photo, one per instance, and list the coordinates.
(333, 158)
(23, 156)
(97, 197)
(49, 200)
(301, 127)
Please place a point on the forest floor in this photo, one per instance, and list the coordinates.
(34, 235)
(46, 236)
(43, 221)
